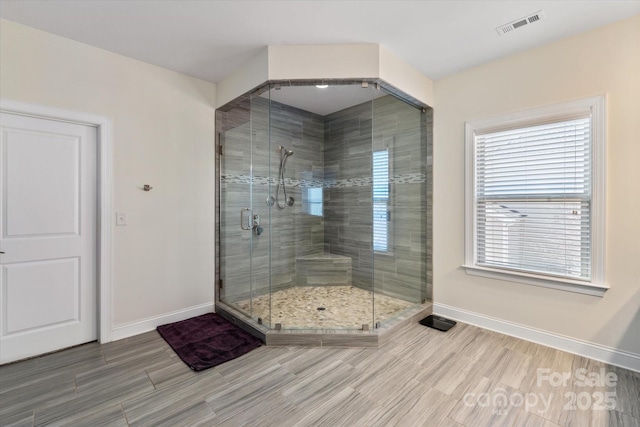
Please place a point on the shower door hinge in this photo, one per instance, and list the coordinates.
(220, 149)
(220, 284)
(219, 142)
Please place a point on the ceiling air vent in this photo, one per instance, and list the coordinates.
(519, 23)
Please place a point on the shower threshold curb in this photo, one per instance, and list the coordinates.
(326, 337)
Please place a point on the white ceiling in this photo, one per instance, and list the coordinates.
(209, 39)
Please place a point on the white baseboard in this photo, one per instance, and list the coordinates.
(594, 351)
(149, 324)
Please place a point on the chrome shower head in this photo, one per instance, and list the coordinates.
(286, 151)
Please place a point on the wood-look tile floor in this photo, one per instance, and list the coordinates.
(421, 377)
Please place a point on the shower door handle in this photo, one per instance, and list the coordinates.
(242, 221)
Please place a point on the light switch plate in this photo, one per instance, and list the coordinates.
(121, 218)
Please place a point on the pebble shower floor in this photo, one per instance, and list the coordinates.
(340, 307)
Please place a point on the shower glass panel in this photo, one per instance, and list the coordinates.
(303, 191)
(399, 205)
(347, 199)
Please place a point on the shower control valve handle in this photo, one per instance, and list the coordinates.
(256, 225)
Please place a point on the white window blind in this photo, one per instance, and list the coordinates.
(381, 200)
(314, 201)
(533, 198)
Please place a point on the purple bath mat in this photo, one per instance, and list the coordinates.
(208, 340)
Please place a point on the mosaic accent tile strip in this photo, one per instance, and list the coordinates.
(406, 178)
(265, 180)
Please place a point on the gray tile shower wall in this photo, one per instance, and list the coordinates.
(347, 161)
(295, 232)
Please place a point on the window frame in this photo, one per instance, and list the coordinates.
(596, 105)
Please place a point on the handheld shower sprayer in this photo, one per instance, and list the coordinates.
(288, 200)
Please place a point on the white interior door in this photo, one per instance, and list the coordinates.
(48, 234)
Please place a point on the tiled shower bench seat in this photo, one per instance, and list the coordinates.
(323, 269)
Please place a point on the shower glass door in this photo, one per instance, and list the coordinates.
(236, 238)
(244, 232)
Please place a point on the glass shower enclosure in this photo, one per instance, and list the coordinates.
(323, 205)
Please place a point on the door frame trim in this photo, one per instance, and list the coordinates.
(104, 175)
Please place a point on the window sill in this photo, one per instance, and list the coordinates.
(568, 285)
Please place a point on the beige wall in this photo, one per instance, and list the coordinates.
(404, 77)
(602, 61)
(336, 61)
(162, 135)
(249, 75)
